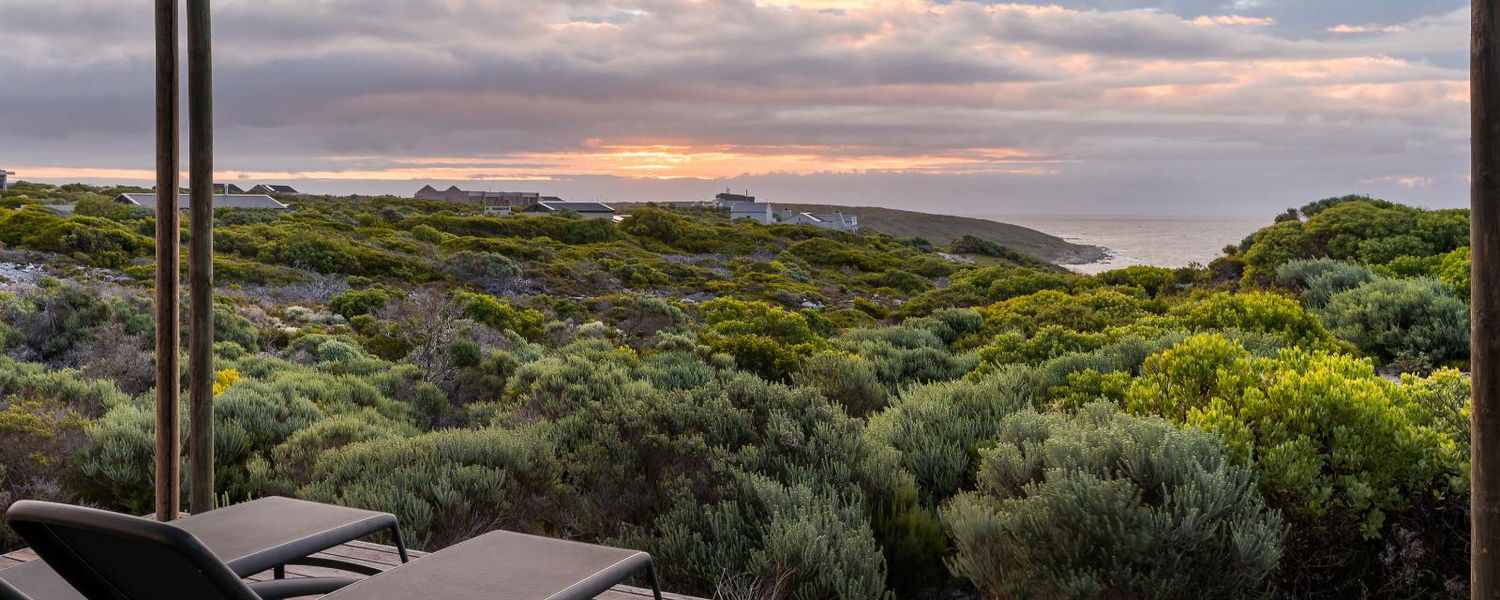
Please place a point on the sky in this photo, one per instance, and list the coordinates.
(1083, 107)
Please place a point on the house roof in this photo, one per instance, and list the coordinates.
(582, 207)
(220, 201)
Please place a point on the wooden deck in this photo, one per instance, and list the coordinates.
(374, 555)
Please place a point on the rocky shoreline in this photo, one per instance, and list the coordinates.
(1082, 255)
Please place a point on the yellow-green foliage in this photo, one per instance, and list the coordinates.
(768, 340)
(1358, 229)
(97, 241)
(1256, 312)
(1089, 311)
(1324, 433)
(502, 315)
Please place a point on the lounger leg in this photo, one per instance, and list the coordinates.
(400, 545)
(655, 585)
(279, 572)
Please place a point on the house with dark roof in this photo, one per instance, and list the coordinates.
(592, 210)
(244, 201)
(490, 201)
(273, 189)
(227, 188)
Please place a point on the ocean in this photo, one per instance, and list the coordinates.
(1155, 241)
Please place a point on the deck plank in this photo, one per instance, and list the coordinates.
(366, 553)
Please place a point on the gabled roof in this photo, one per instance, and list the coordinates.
(274, 189)
(582, 207)
(220, 201)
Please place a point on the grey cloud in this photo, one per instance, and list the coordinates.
(300, 80)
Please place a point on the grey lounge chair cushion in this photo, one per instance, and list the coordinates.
(504, 565)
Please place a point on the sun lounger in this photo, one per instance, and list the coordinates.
(504, 565)
(110, 556)
(249, 538)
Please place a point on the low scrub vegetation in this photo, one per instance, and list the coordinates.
(783, 412)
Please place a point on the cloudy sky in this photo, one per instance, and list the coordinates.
(1115, 107)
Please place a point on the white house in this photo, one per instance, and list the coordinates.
(743, 206)
(837, 220)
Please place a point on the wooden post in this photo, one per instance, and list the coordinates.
(200, 258)
(168, 410)
(1484, 351)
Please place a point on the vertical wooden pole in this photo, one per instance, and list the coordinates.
(200, 258)
(168, 410)
(1484, 351)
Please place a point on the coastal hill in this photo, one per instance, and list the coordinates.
(943, 229)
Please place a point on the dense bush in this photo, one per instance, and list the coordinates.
(1418, 322)
(1325, 434)
(936, 429)
(450, 485)
(1105, 505)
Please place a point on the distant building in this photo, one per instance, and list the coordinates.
(490, 201)
(728, 198)
(4, 182)
(743, 206)
(273, 189)
(247, 201)
(836, 220)
(227, 188)
(592, 210)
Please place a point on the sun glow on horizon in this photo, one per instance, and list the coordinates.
(631, 161)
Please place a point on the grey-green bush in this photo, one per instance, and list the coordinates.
(1419, 321)
(846, 380)
(769, 540)
(451, 485)
(1099, 504)
(936, 429)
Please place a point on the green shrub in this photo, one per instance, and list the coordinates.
(936, 429)
(1320, 279)
(1091, 311)
(1418, 320)
(1153, 280)
(501, 315)
(770, 540)
(446, 486)
(480, 266)
(1255, 312)
(355, 302)
(1103, 505)
(426, 233)
(1324, 433)
(845, 380)
(764, 339)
